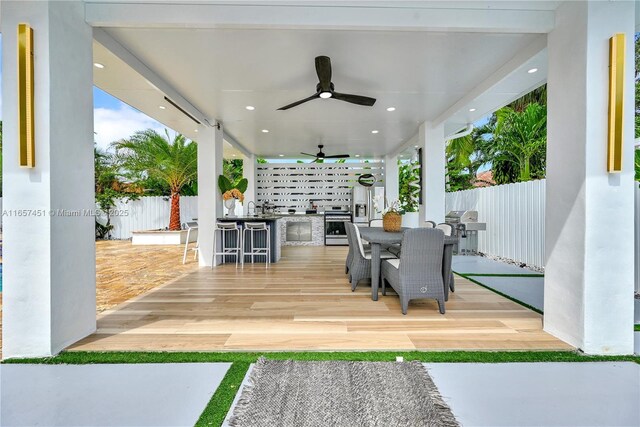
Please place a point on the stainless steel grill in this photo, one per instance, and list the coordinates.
(466, 227)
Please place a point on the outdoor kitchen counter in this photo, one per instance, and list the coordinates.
(260, 240)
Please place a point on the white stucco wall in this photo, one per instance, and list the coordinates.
(589, 212)
(49, 258)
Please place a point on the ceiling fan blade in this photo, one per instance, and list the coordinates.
(302, 101)
(338, 156)
(354, 99)
(323, 69)
(307, 154)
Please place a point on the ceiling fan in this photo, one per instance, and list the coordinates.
(325, 88)
(321, 156)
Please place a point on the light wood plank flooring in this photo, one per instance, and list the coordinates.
(304, 302)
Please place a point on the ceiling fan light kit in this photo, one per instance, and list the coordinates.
(325, 88)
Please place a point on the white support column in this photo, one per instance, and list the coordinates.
(589, 218)
(431, 138)
(49, 270)
(391, 179)
(249, 172)
(210, 147)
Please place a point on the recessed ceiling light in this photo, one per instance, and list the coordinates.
(281, 155)
(472, 109)
(533, 70)
(195, 130)
(357, 155)
(98, 65)
(162, 107)
(250, 107)
(233, 155)
(265, 130)
(391, 108)
(374, 131)
(415, 146)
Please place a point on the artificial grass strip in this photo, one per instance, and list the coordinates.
(83, 358)
(636, 328)
(216, 410)
(524, 304)
(500, 275)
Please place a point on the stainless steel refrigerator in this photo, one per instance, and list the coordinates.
(367, 203)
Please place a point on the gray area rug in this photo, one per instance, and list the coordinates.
(291, 393)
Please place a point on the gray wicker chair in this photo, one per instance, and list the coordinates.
(418, 272)
(360, 267)
(430, 224)
(446, 227)
(350, 241)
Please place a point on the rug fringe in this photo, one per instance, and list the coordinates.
(243, 403)
(448, 419)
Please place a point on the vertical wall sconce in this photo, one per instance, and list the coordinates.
(616, 101)
(25, 96)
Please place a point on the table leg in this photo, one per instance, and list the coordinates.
(446, 269)
(375, 270)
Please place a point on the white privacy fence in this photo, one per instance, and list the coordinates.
(637, 239)
(148, 213)
(514, 215)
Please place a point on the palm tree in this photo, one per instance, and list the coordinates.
(149, 155)
(521, 137)
(468, 153)
(637, 162)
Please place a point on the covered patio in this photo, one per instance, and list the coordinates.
(304, 303)
(434, 69)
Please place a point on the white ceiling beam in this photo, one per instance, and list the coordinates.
(539, 44)
(438, 17)
(234, 142)
(102, 37)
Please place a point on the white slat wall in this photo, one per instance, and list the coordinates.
(514, 214)
(294, 185)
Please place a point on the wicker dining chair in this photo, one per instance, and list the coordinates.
(418, 271)
(446, 227)
(430, 224)
(360, 267)
(350, 253)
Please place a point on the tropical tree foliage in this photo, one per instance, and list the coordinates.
(232, 169)
(109, 189)
(408, 182)
(521, 140)
(150, 158)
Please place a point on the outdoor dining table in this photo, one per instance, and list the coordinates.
(377, 237)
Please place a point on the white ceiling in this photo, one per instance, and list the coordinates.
(220, 71)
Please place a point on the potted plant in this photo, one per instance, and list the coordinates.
(232, 192)
(392, 217)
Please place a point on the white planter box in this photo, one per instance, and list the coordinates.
(162, 237)
(411, 220)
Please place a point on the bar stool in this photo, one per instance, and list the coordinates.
(191, 227)
(227, 230)
(252, 228)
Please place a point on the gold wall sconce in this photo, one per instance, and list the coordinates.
(616, 102)
(25, 96)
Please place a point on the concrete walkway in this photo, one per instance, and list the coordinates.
(107, 395)
(541, 394)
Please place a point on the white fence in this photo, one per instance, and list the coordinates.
(637, 229)
(514, 215)
(149, 213)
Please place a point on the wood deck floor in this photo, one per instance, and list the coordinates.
(304, 302)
